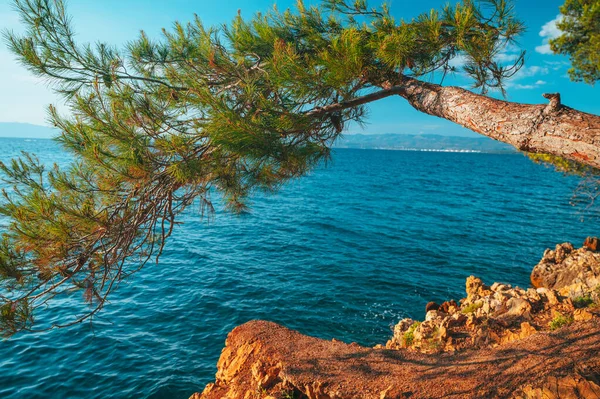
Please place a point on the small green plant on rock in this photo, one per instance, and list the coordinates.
(409, 336)
(583, 301)
(560, 321)
(472, 307)
(433, 344)
(261, 392)
(289, 394)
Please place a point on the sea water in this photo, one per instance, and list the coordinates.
(344, 253)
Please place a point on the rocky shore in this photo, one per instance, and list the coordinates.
(498, 341)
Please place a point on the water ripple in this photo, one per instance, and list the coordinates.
(345, 253)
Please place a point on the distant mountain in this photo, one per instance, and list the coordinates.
(26, 130)
(421, 142)
(364, 141)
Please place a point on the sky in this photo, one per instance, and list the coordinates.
(24, 98)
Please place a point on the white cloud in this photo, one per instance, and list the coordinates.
(543, 49)
(526, 78)
(507, 57)
(518, 86)
(549, 31)
(525, 73)
(557, 65)
(459, 61)
(509, 54)
(534, 70)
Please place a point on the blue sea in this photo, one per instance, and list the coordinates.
(344, 252)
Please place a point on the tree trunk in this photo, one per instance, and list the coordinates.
(551, 129)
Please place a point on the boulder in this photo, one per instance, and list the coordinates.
(449, 306)
(573, 386)
(591, 243)
(431, 306)
(500, 313)
(566, 266)
(476, 289)
(582, 315)
(517, 307)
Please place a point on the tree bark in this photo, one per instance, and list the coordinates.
(538, 128)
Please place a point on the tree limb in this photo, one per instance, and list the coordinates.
(549, 129)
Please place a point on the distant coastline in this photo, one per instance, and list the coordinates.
(10, 130)
(385, 141)
(422, 142)
(416, 149)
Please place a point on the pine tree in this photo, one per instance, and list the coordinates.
(580, 39)
(227, 111)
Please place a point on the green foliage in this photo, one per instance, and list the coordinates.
(161, 124)
(587, 192)
(472, 307)
(409, 336)
(563, 165)
(583, 301)
(560, 321)
(289, 394)
(580, 39)
(433, 344)
(15, 316)
(261, 392)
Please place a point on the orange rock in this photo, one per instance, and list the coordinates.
(566, 266)
(476, 289)
(321, 369)
(431, 306)
(536, 280)
(232, 361)
(591, 243)
(447, 307)
(582, 315)
(569, 387)
(526, 330)
(471, 322)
